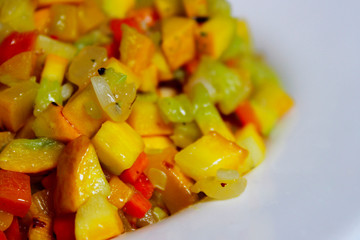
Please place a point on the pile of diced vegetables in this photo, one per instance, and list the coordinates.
(116, 114)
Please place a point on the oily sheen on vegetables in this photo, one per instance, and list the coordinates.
(116, 114)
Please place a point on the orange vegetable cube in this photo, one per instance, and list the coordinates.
(42, 20)
(196, 8)
(25, 61)
(16, 105)
(52, 123)
(42, 3)
(5, 138)
(90, 16)
(120, 192)
(166, 8)
(178, 42)
(64, 22)
(5, 220)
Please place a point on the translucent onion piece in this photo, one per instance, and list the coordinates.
(66, 91)
(106, 98)
(5, 220)
(158, 178)
(225, 185)
(159, 213)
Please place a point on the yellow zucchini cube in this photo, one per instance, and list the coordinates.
(97, 219)
(249, 139)
(116, 8)
(167, 8)
(178, 42)
(214, 36)
(207, 155)
(155, 144)
(16, 105)
(163, 68)
(146, 120)
(149, 77)
(79, 176)
(136, 49)
(118, 146)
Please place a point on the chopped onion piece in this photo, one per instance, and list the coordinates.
(227, 184)
(106, 98)
(158, 178)
(66, 91)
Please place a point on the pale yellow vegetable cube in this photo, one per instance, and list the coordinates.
(207, 155)
(117, 8)
(118, 146)
(97, 219)
(249, 138)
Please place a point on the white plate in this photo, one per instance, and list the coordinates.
(307, 188)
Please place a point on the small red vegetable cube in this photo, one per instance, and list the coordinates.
(64, 227)
(144, 186)
(15, 194)
(137, 206)
(132, 174)
(2, 236)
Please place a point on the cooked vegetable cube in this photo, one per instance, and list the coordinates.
(5, 220)
(97, 219)
(5, 138)
(131, 174)
(52, 46)
(30, 155)
(197, 162)
(13, 232)
(120, 192)
(79, 176)
(40, 228)
(90, 16)
(51, 123)
(176, 109)
(163, 67)
(249, 138)
(219, 8)
(24, 61)
(137, 206)
(146, 120)
(155, 144)
(215, 35)
(16, 104)
(64, 22)
(116, 8)
(149, 78)
(26, 131)
(42, 20)
(18, 14)
(42, 3)
(118, 146)
(196, 8)
(185, 134)
(178, 42)
(15, 194)
(136, 49)
(64, 227)
(166, 8)
(84, 112)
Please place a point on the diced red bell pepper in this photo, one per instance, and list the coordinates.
(2, 236)
(112, 51)
(13, 232)
(49, 182)
(144, 186)
(64, 227)
(145, 17)
(137, 206)
(246, 115)
(15, 193)
(132, 174)
(17, 43)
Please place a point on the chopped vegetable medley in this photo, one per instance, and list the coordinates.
(117, 114)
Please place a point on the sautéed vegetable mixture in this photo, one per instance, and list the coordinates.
(117, 114)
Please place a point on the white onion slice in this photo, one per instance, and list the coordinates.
(106, 98)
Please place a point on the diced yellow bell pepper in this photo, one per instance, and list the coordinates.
(64, 22)
(120, 67)
(167, 8)
(196, 8)
(79, 176)
(52, 124)
(16, 105)
(120, 192)
(116, 8)
(146, 120)
(163, 68)
(178, 42)
(30, 155)
(25, 61)
(89, 16)
(272, 96)
(97, 219)
(118, 146)
(249, 138)
(136, 49)
(208, 154)
(84, 112)
(215, 35)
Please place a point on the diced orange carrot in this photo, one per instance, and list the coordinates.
(42, 19)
